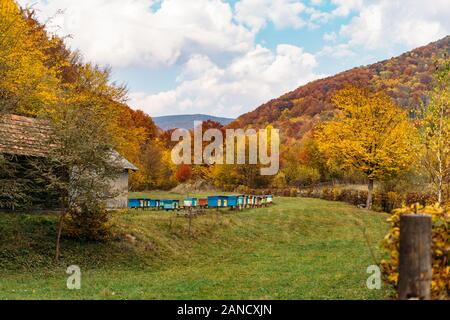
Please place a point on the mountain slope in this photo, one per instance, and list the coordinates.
(186, 121)
(406, 79)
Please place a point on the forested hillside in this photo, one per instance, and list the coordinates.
(406, 79)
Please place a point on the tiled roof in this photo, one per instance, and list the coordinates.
(24, 136)
(30, 137)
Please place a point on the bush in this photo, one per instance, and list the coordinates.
(354, 197)
(300, 175)
(382, 201)
(243, 189)
(421, 198)
(88, 223)
(440, 286)
(279, 181)
(293, 192)
(183, 173)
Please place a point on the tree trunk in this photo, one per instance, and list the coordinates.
(369, 195)
(58, 236)
(440, 188)
(439, 156)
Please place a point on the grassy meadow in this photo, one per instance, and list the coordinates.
(296, 249)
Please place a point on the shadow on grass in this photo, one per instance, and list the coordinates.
(27, 243)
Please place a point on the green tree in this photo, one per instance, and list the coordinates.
(81, 162)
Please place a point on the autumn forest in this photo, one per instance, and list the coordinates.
(375, 137)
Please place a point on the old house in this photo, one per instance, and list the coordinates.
(26, 137)
(120, 184)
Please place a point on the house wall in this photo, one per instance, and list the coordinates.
(120, 186)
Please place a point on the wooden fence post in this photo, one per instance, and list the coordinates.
(415, 264)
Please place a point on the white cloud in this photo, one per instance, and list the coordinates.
(246, 82)
(282, 13)
(342, 8)
(386, 23)
(223, 71)
(130, 32)
(330, 36)
(345, 7)
(339, 51)
(382, 28)
(316, 2)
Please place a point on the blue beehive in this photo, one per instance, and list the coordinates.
(134, 203)
(217, 201)
(146, 203)
(213, 201)
(235, 200)
(269, 199)
(232, 201)
(155, 204)
(171, 204)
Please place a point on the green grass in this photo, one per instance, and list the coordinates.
(296, 249)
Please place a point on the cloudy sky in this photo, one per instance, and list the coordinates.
(227, 57)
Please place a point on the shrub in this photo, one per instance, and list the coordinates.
(420, 197)
(183, 173)
(279, 181)
(390, 201)
(293, 192)
(382, 201)
(243, 189)
(327, 194)
(300, 175)
(90, 223)
(440, 286)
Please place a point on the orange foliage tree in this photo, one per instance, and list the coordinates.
(184, 173)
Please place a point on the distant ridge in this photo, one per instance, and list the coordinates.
(406, 79)
(186, 121)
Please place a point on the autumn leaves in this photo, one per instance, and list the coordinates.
(369, 134)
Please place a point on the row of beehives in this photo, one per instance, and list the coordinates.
(234, 201)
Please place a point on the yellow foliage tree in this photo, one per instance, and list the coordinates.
(369, 134)
(92, 88)
(38, 74)
(434, 120)
(27, 84)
